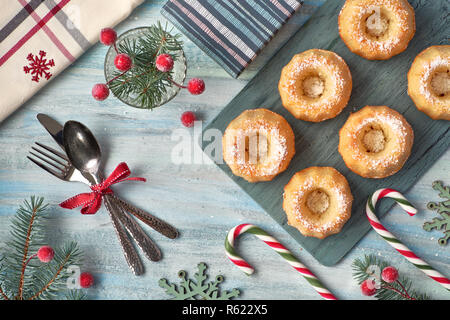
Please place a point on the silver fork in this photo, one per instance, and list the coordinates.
(61, 164)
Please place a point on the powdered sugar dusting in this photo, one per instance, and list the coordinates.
(332, 218)
(264, 162)
(396, 132)
(393, 19)
(331, 74)
(385, 45)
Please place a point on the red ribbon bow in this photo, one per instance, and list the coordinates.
(92, 201)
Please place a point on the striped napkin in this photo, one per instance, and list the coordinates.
(232, 32)
(40, 38)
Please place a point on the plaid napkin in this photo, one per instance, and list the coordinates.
(232, 32)
(40, 38)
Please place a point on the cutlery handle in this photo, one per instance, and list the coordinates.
(133, 260)
(142, 239)
(152, 221)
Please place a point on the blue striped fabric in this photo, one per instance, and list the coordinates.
(232, 32)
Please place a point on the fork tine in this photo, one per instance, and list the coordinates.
(59, 154)
(47, 161)
(49, 156)
(49, 170)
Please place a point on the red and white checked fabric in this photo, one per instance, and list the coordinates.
(40, 38)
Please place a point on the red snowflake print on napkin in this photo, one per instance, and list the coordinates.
(39, 66)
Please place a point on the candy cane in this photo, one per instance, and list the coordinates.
(279, 248)
(393, 241)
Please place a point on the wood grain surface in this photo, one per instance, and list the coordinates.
(202, 201)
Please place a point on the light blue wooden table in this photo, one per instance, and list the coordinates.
(199, 199)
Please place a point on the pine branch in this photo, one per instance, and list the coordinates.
(24, 277)
(399, 290)
(144, 83)
(34, 210)
(3, 294)
(26, 234)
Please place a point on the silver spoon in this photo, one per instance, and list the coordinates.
(84, 153)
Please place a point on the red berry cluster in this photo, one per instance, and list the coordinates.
(389, 275)
(123, 62)
(164, 63)
(108, 37)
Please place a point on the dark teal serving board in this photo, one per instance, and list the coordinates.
(374, 83)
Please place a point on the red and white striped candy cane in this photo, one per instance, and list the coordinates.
(279, 248)
(393, 241)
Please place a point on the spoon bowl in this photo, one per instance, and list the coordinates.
(82, 148)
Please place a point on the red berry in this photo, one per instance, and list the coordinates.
(108, 36)
(45, 254)
(188, 118)
(389, 274)
(123, 62)
(100, 91)
(196, 86)
(368, 288)
(86, 280)
(164, 62)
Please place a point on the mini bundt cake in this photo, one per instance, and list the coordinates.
(377, 29)
(375, 142)
(429, 82)
(315, 85)
(318, 201)
(258, 145)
